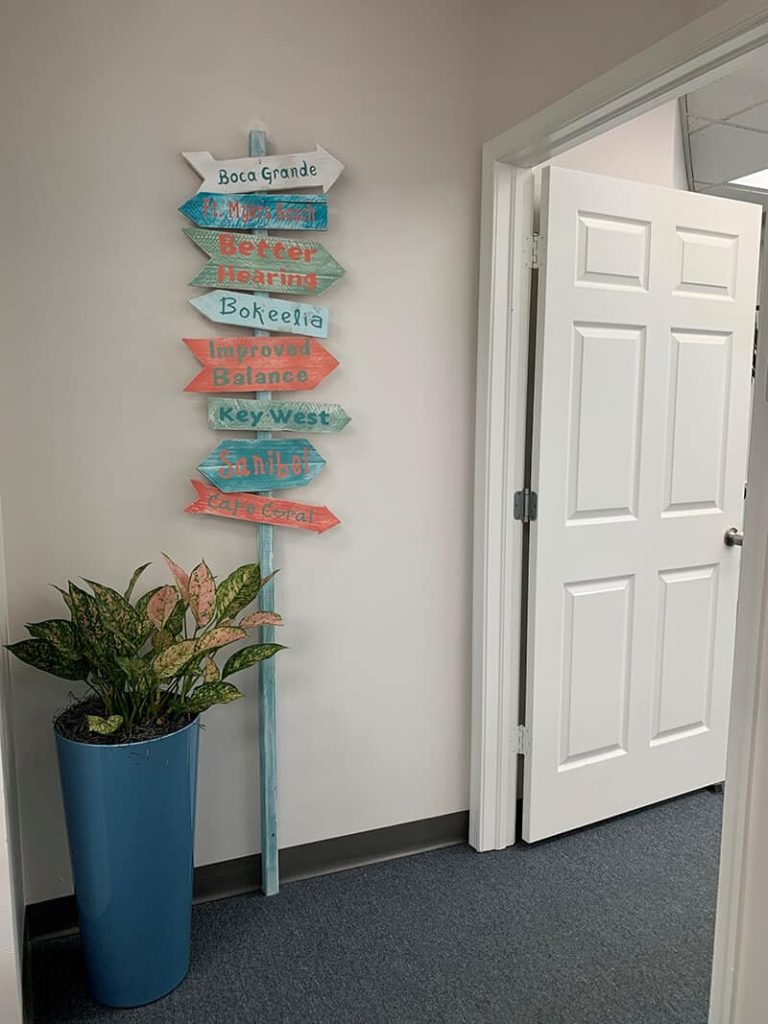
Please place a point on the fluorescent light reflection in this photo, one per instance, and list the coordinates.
(757, 180)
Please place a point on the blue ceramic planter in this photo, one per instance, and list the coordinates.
(130, 812)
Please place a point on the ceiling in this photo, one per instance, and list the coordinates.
(725, 125)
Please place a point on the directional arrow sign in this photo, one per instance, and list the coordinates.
(266, 173)
(247, 414)
(276, 213)
(259, 364)
(252, 508)
(262, 464)
(268, 264)
(263, 313)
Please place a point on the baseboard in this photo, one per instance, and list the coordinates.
(233, 877)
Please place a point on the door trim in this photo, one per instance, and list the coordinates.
(685, 60)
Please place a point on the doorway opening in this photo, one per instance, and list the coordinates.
(605, 432)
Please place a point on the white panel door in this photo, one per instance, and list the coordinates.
(643, 367)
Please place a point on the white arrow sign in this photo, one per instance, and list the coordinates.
(266, 173)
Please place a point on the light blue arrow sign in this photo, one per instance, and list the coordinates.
(261, 465)
(263, 313)
(249, 414)
(273, 212)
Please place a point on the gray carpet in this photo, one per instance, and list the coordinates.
(610, 925)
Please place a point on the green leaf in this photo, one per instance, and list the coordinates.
(238, 590)
(97, 643)
(43, 655)
(220, 638)
(249, 656)
(60, 633)
(104, 726)
(138, 671)
(65, 596)
(174, 658)
(134, 579)
(208, 694)
(211, 672)
(161, 640)
(202, 594)
(175, 623)
(118, 616)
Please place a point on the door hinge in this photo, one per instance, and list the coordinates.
(533, 251)
(521, 741)
(526, 505)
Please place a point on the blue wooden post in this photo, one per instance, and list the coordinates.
(270, 876)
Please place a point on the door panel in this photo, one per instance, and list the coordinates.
(644, 351)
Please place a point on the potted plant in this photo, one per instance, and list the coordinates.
(127, 754)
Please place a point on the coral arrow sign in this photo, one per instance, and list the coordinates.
(276, 213)
(246, 414)
(270, 363)
(252, 508)
(263, 313)
(271, 264)
(263, 464)
(266, 173)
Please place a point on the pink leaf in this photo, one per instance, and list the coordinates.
(261, 619)
(181, 577)
(161, 606)
(220, 637)
(202, 594)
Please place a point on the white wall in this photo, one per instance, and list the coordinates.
(537, 53)
(11, 881)
(98, 441)
(649, 149)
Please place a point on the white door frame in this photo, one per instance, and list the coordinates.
(685, 60)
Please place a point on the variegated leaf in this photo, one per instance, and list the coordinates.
(99, 645)
(175, 623)
(238, 590)
(161, 605)
(60, 633)
(161, 640)
(134, 580)
(104, 726)
(174, 658)
(220, 638)
(261, 619)
(208, 694)
(43, 655)
(211, 673)
(180, 576)
(249, 656)
(117, 614)
(202, 594)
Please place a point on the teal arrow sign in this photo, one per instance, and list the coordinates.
(247, 414)
(268, 264)
(263, 313)
(261, 465)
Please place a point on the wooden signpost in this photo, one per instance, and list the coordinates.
(256, 508)
(275, 264)
(262, 464)
(266, 173)
(293, 361)
(247, 414)
(263, 313)
(266, 364)
(274, 212)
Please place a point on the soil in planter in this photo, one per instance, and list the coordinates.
(72, 725)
